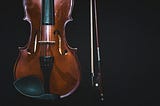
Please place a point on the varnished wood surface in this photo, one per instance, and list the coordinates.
(65, 75)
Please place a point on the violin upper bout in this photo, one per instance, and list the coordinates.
(31, 8)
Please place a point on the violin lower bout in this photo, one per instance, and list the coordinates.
(64, 77)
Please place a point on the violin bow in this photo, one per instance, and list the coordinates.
(96, 79)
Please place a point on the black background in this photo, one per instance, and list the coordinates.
(129, 46)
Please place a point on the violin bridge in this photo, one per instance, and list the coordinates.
(46, 42)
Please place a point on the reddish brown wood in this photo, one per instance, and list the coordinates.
(65, 75)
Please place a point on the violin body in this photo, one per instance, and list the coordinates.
(47, 57)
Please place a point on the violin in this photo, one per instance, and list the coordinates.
(47, 67)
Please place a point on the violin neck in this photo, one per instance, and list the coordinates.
(48, 12)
